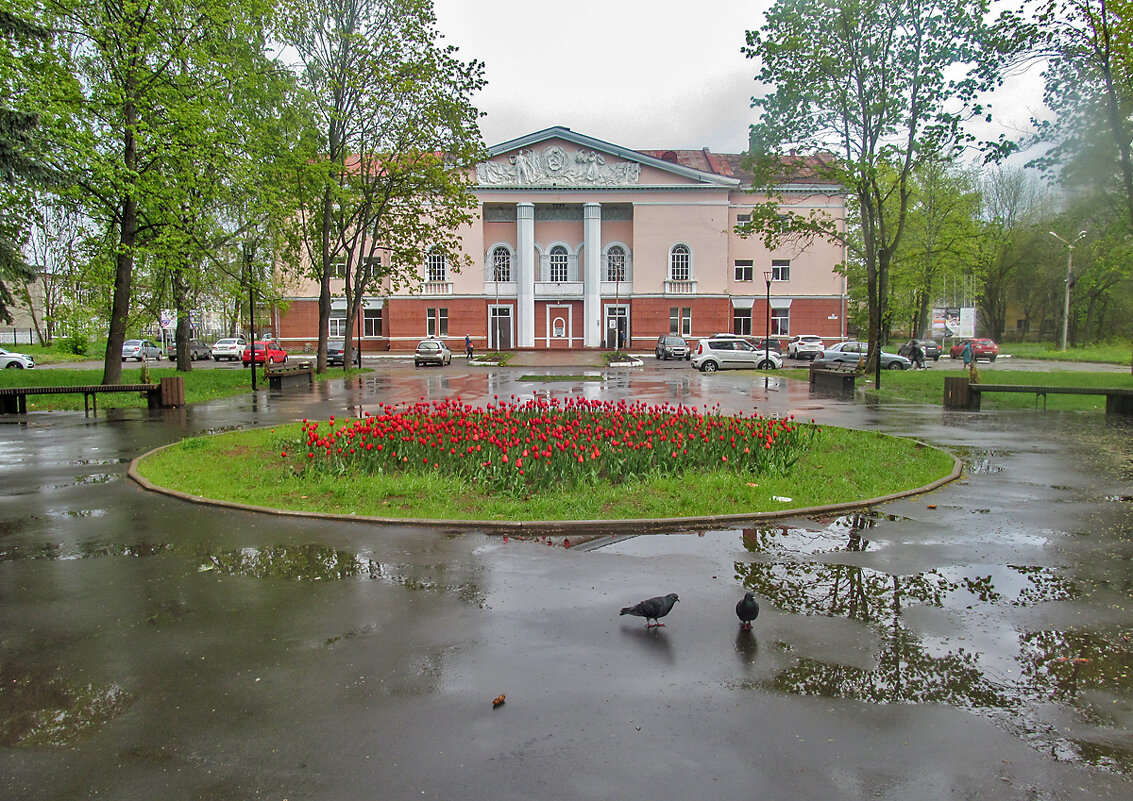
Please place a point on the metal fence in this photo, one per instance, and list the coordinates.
(18, 336)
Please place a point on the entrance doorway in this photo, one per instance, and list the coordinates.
(500, 330)
(616, 329)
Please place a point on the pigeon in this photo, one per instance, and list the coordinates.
(747, 610)
(652, 609)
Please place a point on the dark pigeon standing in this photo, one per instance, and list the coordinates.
(747, 610)
(652, 609)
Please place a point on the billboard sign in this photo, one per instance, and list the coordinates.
(953, 322)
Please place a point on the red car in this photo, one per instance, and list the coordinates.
(265, 352)
(981, 349)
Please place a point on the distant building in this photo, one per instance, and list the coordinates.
(581, 243)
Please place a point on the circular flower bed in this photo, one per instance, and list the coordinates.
(514, 447)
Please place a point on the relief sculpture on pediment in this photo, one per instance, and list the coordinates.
(556, 167)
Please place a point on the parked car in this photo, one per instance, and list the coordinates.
(671, 346)
(981, 349)
(197, 350)
(804, 346)
(852, 352)
(768, 344)
(432, 351)
(230, 348)
(140, 349)
(265, 353)
(930, 347)
(15, 361)
(336, 352)
(724, 352)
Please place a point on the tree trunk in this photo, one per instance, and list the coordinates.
(184, 323)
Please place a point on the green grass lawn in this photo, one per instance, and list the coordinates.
(927, 386)
(1103, 353)
(844, 466)
(200, 385)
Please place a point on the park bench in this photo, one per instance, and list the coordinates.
(835, 381)
(300, 374)
(959, 393)
(167, 394)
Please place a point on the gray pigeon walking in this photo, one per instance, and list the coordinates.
(653, 609)
(747, 610)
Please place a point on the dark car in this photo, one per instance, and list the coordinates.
(197, 350)
(981, 349)
(432, 351)
(768, 344)
(671, 346)
(336, 350)
(930, 348)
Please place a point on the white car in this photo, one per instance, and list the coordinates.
(804, 346)
(15, 361)
(140, 350)
(230, 348)
(731, 352)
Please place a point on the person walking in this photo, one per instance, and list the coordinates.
(468, 346)
(916, 355)
(966, 355)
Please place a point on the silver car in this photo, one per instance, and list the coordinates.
(733, 353)
(140, 349)
(432, 351)
(852, 353)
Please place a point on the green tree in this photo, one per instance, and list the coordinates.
(863, 91)
(386, 178)
(21, 43)
(941, 232)
(144, 74)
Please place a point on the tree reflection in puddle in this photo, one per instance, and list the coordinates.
(323, 563)
(1088, 672)
(39, 708)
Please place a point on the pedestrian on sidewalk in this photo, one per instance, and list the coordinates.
(468, 346)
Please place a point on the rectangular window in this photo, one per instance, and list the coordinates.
(745, 269)
(338, 268)
(337, 327)
(741, 322)
(372, 322)
(436, 322)
(742, 218)
(780, 269)
(780, 322)
(680, 321)
(437, 271)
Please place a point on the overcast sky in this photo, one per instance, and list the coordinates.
(645, 74)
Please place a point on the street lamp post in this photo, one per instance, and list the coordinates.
(1069, 268)
(767, 338)
(248, 255)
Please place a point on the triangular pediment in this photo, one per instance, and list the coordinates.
(559, 157)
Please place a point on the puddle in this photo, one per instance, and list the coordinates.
(83, 550)
(324, 563)
(40, 709)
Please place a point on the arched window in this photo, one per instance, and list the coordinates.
(680, 263)
(501, 264)
(616, 263)
(559, 263)
(436, 268)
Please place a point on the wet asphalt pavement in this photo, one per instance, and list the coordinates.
(971, 642)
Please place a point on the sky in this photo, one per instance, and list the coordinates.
(644, 74)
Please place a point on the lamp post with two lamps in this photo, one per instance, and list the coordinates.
(1069, 268)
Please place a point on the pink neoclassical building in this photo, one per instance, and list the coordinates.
(580, 241)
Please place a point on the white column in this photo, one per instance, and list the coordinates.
(525, 275)
(592, 275)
